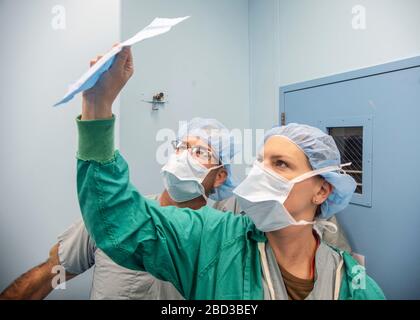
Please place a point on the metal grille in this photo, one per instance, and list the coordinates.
(349, 141)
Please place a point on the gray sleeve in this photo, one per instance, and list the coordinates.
(76, 249)
(230, 204)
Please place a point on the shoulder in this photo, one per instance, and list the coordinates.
(230, 204)
(76, 249)
(77, 233)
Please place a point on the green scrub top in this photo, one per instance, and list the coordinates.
(205, 254)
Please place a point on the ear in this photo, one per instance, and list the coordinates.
(220, 178)
(323, 192)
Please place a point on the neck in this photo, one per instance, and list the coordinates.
(294, 248)
(195, 204)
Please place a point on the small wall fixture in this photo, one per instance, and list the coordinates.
(157, 100)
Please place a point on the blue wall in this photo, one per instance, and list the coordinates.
(297, 40)
(38, 142)
(382, 223)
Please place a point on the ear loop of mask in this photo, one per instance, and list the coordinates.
(327, 225)
(312, 173)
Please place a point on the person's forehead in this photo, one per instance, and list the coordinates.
(279, 146)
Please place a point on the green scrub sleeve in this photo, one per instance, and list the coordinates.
(173, 244)
(96, 139)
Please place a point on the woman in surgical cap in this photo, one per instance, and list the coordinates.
(272, 251)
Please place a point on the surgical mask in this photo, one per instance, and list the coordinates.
(183, 176)
(263, 193)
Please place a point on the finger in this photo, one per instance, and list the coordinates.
(129, 62)
(115, 44)
(93, 61)
(122, 58)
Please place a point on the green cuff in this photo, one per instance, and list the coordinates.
(96, 139)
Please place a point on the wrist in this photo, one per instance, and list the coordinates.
(96, 110)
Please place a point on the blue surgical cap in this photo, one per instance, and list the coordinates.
(321, 151)
(221, 141)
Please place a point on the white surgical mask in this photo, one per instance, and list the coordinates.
(183, 176)
(262, 195)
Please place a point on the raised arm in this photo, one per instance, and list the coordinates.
(132, 231)
(173, 244)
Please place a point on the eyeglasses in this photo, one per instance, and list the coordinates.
(199, 152)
